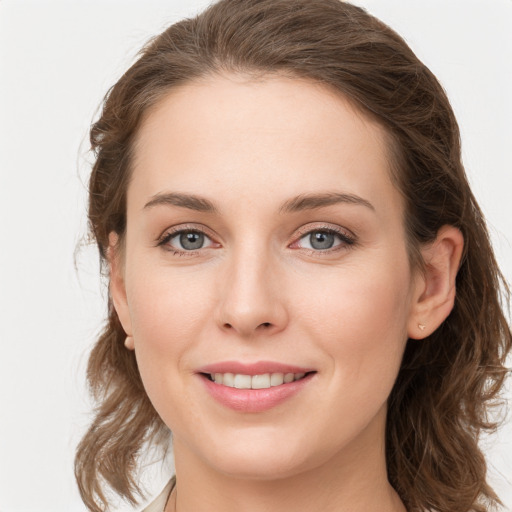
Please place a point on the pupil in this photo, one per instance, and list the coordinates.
(321, 240)
(191, 240)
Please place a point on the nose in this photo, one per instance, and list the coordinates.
(252, 296)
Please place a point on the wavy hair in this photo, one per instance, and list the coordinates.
(447, 383)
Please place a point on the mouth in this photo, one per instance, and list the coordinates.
(257, 386)
(259, 381)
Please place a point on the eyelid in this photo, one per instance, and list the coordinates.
(171, 232)
(324, 226)
(347, 237)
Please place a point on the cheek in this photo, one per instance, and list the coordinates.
(359, 322)
(360, 319)
(168, 312)
(167, 307)
(167, 315)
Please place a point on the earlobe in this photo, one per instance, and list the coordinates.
(117, 284)
(435, 294)
(129, 343)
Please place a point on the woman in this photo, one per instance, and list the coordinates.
(302, 286)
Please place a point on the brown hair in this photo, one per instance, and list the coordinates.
(447, 382)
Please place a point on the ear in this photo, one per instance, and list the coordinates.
(434, 295)
(117, 286)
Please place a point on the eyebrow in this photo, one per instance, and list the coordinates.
(312, 201)
(189, 201)
(296, 204)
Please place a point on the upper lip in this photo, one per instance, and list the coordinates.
(257, 368)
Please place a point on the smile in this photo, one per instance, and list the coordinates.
(255, 393)
(263, 381)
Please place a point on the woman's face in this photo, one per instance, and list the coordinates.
(264, 236)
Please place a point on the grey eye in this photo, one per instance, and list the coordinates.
(191, 240)
(324, 239)
(186, 240)
(321, 240)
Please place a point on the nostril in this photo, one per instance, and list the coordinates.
(263, 325)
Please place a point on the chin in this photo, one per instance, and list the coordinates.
(259, 467)
(270, 459)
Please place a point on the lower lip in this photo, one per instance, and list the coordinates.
(254, 400)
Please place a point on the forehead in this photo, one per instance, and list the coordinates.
(284, 134)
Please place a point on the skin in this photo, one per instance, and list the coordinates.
(257, 291)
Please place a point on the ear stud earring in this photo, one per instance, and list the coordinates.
(421, 327)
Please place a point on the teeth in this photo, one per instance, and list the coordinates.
(276, 379)
(228, 379)
(263, 381)
(289, 377)
(260, 381)
(242, 381)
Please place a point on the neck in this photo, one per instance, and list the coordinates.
(353, 480)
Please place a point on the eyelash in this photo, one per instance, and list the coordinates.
(347, 240)
(169, 235)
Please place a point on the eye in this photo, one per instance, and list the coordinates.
(320, 240)
(324, 239)
(185, 240)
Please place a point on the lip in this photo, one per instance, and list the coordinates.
(257, 368)
(254, 400)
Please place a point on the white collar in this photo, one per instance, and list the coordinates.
(158, 504)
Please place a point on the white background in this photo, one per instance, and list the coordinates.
(57, 59)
